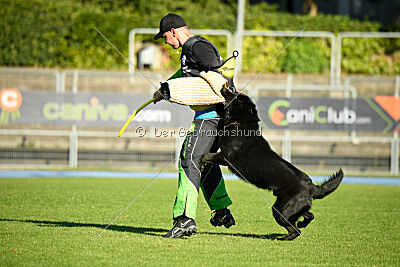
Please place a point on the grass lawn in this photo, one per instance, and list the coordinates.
(55, 221)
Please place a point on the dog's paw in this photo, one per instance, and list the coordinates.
(203, 163)
(301, 224)
(203, 166)
(308, 217)
(289, 237)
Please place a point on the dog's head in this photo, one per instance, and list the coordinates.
(239, 108)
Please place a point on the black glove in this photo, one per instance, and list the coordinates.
(164, 90)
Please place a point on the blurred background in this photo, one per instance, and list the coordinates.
(330, 99)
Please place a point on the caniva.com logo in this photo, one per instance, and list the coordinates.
(281, 113)
(92, 110)
(10, 102)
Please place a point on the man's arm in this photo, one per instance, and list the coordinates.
(205, 57)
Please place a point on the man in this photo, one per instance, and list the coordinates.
(198, 54)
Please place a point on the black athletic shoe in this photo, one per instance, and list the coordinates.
(183, 226)
(222, 217)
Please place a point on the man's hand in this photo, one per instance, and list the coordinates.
(157, 97)
(163, 93)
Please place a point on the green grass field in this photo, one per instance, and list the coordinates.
(55, 221)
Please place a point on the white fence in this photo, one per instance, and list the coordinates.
(336, 43)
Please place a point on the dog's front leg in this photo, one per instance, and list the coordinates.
(213, 158)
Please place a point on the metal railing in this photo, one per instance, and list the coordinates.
(24, 74)
(73, 134)
(342, 35)
(90, 77)
(396, 79)
(58, 79)
(287, 139)
(320, 34)
(394, 159)
(335, 55)
(75, 157)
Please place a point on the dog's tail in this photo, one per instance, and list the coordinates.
(327, 187)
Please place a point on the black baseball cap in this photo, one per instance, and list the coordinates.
(168, 22)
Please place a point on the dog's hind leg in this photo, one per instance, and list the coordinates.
(308, 217)
(284, 217)
(293, 231)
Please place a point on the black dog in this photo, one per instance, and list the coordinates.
(249, 156)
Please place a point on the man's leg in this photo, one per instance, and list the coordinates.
(213, 187)
(186, 197)
(217, 197)
(184, 211)
(196, 144)
(214, 191)
(189, 174)
(201, 139)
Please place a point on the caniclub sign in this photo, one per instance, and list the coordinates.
(377, 114)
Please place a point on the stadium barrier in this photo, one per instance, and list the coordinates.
(85, 142)
(75, 144)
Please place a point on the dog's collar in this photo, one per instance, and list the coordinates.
(235, 123)
(242, 125)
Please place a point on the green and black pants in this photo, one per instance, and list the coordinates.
(201, 139)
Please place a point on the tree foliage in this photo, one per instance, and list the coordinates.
(45, 33)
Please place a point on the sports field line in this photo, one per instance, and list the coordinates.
(169, 175)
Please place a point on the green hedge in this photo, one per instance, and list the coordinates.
(62, 34)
